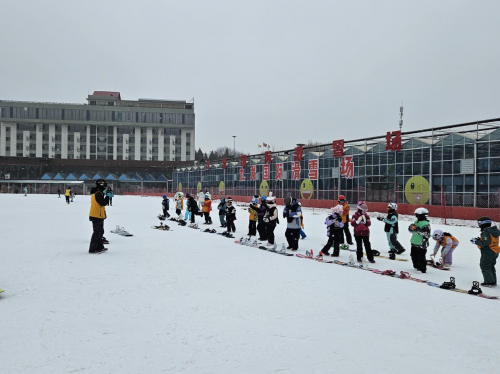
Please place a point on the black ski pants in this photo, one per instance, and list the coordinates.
(67, 199)
(96, 243)
(165, 213)
(418, 258)
(292, 237)
(192, 216)
(270, 232)
(334, 239)
(252, 228)
(360, 241)
(208, 219)
(230, 226)
(393, 239)
(262, 229)
(346, 233)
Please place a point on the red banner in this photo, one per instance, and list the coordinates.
(347, 167)
(267, 157)
(338, 148)
(265, 172)
(313, 170)
(298, 153)
(253, 170)
(393, 141)
(224, 165)
(279, 172)
(243, 160)
(296, 170)
(242, 174)
(207, 164)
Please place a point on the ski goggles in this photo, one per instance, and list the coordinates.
(479, 223)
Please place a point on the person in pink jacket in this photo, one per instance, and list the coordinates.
(361, 223)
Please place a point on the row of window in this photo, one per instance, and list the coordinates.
(95, 115)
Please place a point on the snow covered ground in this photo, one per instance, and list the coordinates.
(192, 302)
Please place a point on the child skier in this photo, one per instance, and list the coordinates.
(261, 225)
(334, 227)
(67, 194)
(187, 213)
(165, 204)
(230, 216)
(206, 209)
(271, 219)
(302, 233)
(345, 218)
(448, 243)
(25, 189)
(222, 207)
(361, 223)
(179, 204)
(392, 229)
(252, 219)
(421, 231)
(292, 233)
(487, 243)
(110, 194)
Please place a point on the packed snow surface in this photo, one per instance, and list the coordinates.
(191, 302)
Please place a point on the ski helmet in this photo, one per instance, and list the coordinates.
(338, 209)
(341, 198)
(229, 200)
(484, 222)
(421, 212)
(437, 234)
(263, 198)
(206, 197)
(164, 196)
(362, 205)
(255, 200)
(392, 206)
(101, 183)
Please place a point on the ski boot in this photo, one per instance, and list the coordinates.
(475, 290)
(392, 256)
(375, 252)
(449, 285)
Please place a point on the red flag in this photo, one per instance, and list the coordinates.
(224, 163)
(207, 163)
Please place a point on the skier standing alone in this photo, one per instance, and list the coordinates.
(488, 244)
(67, 194)
(110, 194)
(97, 215)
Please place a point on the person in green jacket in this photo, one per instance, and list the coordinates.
(421, 231)
(487, 243)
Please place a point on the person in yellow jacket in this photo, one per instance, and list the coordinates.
(67, 194)
(345, 219)
(97, 215)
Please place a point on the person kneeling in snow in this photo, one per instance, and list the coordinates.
(448, 243)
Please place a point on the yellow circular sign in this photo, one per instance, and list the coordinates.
(222, 188)
(306, 189)
(264, 188)
(179, 187)
(417, 190)
(198, 188)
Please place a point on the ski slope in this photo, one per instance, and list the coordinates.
(190, 302)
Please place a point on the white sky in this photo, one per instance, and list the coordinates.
(275, 71)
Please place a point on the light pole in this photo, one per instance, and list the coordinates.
(234, 145)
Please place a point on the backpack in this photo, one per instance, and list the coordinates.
(494, 244)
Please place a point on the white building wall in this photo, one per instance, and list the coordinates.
(115, 143)
(13, 139)
(77, 142)
(26, 143)
(192, 148)
(3, 138)
(39, 140)
(87, 150)
(161, 145)
(126, 145)
(137, 143)
(64, 141)
(149, 143)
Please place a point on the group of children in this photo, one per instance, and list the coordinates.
(263, 218)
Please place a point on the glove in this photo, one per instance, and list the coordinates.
(380, 218)
(412, 227)
(475, 240)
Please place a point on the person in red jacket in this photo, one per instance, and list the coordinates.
(361, 223)
(206, 209)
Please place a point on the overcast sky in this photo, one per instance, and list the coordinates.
(275, 71)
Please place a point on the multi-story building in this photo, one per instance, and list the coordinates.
(106, 128)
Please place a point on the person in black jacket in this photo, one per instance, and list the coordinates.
(97, 215)
(230, 216)
(192, 206)
(261, 225)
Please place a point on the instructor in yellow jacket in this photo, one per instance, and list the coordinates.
(97, 215)
(345, 220)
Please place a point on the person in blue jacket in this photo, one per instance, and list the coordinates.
(165, 204)
(110, 194)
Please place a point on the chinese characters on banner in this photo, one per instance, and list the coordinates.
(243, 160)
(267, 157)
(297, 154)
(393, 141)
(242, 174)
(253, 170)
(207, 163)
(279, 172)
(265, 172)
(224, 165)
(347, 167)
(338, 148)
(313, 170)
(296, 170)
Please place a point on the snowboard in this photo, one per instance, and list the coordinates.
(213, 231)
(162, 227)
(433, 264)
(227, 236)
(380, 256)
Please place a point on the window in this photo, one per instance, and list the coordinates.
(92, 102)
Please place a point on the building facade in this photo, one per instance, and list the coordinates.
(106, 128)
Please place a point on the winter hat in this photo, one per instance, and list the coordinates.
(341, 198)
(229, 200)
